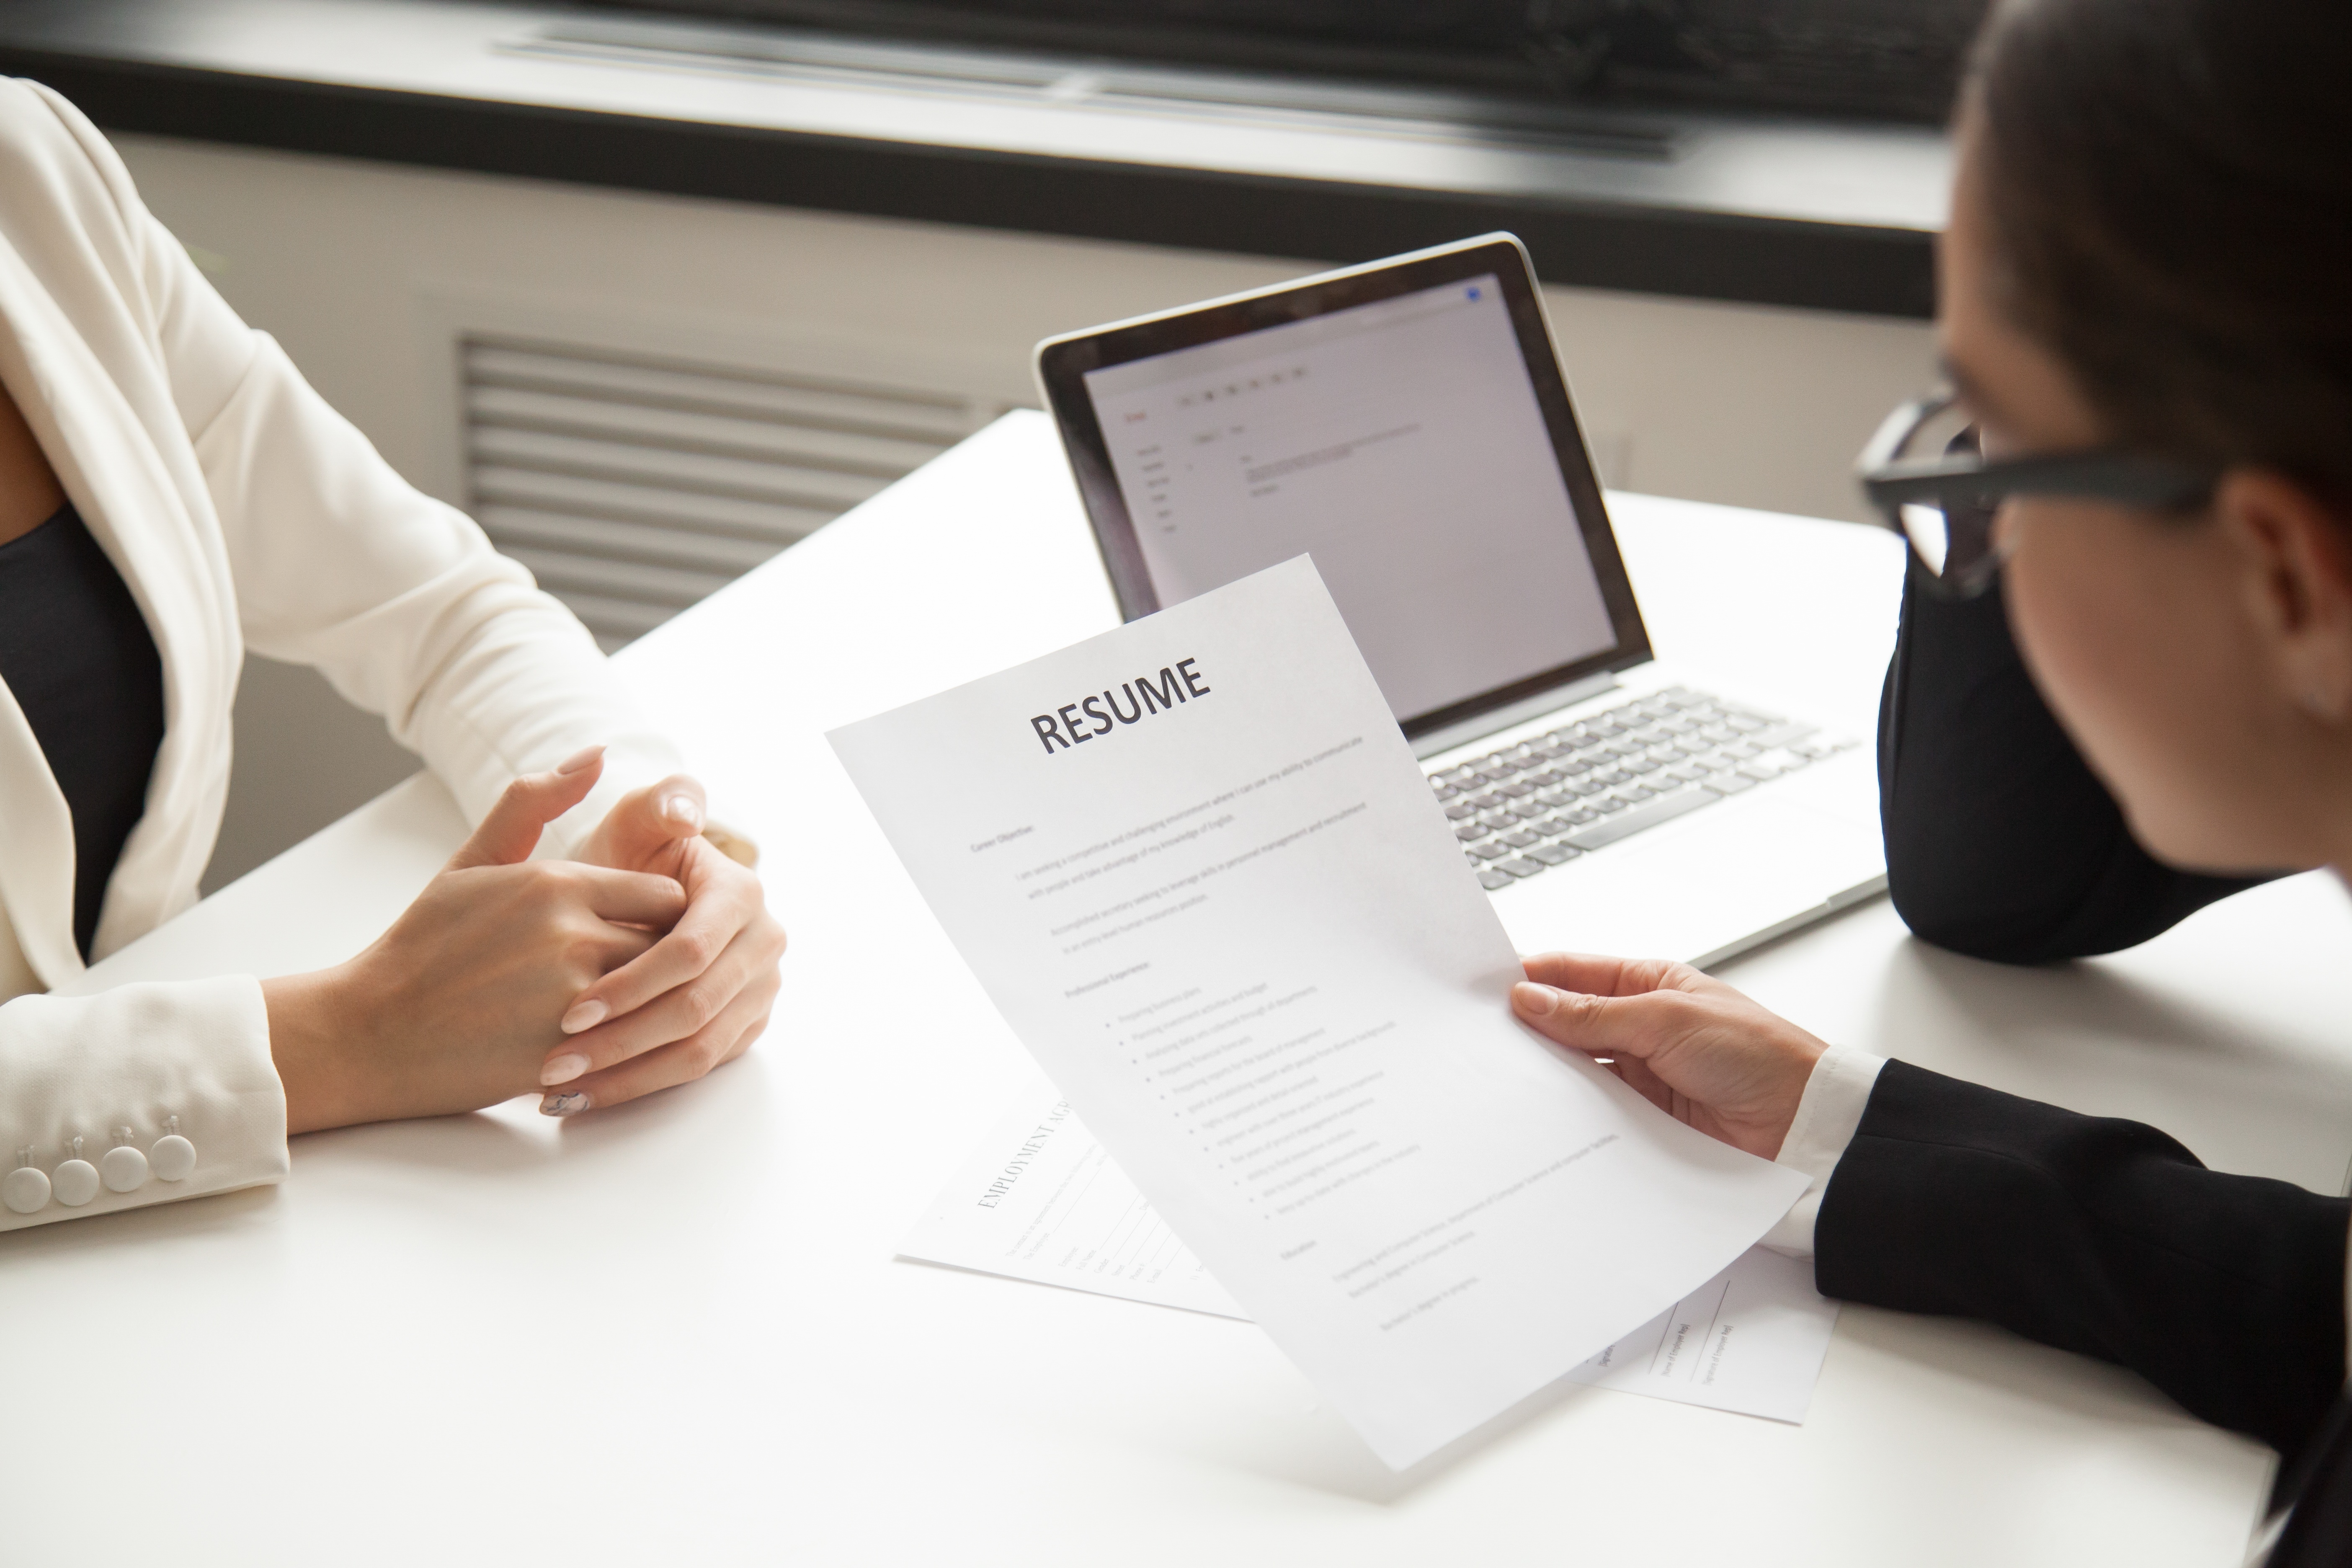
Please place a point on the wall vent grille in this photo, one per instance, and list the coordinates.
(633, 486)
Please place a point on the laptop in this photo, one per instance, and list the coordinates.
(1406, 425)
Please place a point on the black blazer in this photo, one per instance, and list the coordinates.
(2001, 843)
(2096, 1236)
(2108, 1238)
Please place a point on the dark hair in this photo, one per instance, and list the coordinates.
(2169, 190)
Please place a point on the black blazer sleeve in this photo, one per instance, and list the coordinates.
(2001, 843)
(2096, 1236)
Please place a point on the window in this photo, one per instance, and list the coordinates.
(1890, 58)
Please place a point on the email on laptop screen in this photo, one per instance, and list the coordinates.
(1400, 444)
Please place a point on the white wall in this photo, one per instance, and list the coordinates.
(364, 271)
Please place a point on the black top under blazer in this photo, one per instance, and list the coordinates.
(2092, 1235)
(76, 655)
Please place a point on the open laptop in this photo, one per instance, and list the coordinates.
(1406, 423)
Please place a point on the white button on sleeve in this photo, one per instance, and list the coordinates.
(25, 1190)
(124, 1169)
(76, 1182)
(173, 1157)
(1828, 1116)
(121, 1064)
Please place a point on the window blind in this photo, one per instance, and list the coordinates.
(633, 486)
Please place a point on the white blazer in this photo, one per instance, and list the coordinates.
(243, 513)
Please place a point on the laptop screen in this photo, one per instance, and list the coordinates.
(1403, 444)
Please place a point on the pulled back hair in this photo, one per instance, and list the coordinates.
(2169, 190)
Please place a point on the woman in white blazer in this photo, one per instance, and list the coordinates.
(159, 456)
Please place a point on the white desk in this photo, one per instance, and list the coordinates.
(674, 1333)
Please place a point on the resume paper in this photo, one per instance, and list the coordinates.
(1193, 863)
(1038, 1199)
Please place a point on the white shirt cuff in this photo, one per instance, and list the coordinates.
(1827, 1118)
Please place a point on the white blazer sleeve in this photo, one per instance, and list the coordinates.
(170, 1088)
(398, 599)
(401, 601)
(333, 561)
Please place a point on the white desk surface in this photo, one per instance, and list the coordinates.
(675, 1333)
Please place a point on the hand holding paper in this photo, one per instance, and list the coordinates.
(1688, 1043)
(1225, 916)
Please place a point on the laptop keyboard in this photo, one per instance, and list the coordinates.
(1542, 802)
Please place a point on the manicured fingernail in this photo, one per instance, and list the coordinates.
(584, 758)
(583, 1015)
(684, 810)
(563, 1104)
(563, 1069)
(1536, 1001)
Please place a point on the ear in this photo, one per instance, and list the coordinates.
(2298, 549)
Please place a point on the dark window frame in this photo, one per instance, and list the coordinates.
(1884, 60)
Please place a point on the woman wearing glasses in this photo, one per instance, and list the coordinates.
(2146, 324)
(172, 493)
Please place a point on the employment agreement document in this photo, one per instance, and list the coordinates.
(1039, 1199)
(1195, 866)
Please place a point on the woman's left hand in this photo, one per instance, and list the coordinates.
(1692, 1046)
(698, 996)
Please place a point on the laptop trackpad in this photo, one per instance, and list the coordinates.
(1706, 884)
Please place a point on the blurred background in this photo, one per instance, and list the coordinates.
(655, 289)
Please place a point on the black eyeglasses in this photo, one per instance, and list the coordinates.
(1927, 475)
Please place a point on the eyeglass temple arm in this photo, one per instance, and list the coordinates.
(2126, 479)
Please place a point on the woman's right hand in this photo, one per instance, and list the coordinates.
(1692, 1046)
(456, 1005)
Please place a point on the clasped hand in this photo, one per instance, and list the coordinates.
(645, 962)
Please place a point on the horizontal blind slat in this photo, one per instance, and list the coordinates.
(756, 439)
(513, 528)
(924, 416)
(633, 486)
(688, 470)
(684, 509)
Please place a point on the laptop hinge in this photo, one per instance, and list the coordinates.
(1519, 712)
